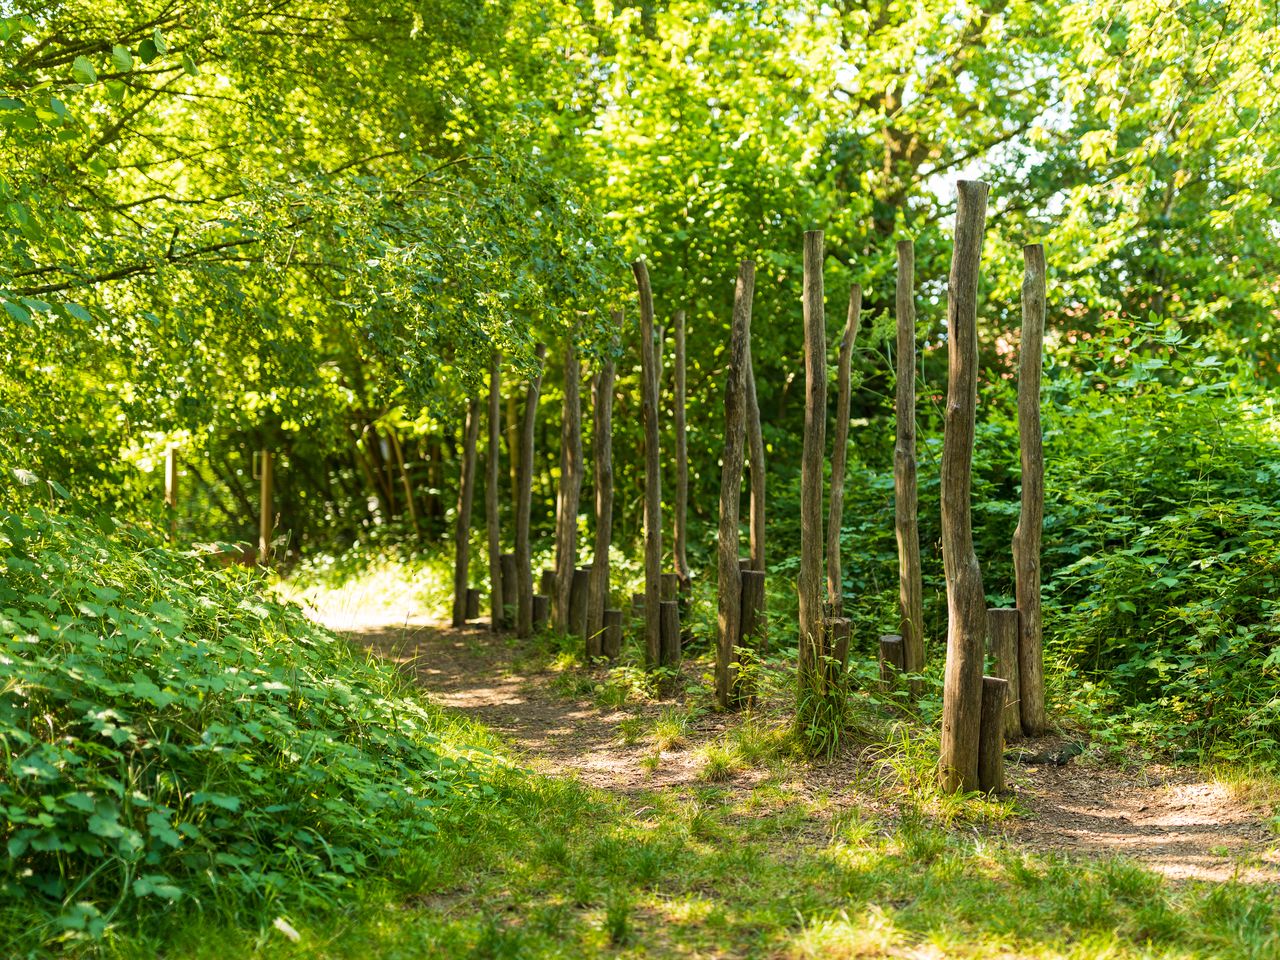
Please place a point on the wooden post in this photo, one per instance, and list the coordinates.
(681, 532)
(837, 631)
(510, 589)
(652, 471)
(569, 493)
(811, 646)
(995, 693)
(1002, 628)
(755, 453)
(637, 606)
(612, 645)
(524, 498)
(966, 603)
(493, 471)
(171, 489)
(753, 630)
(910, 582)
(729, 574)
(669, 616)
(473, 603)
(840, 454)
(547, 583)
(671, 586)
(541, 610)
(265, 518)
(575, 621)
(462, 528)
(602, 447)
(892, 661)
(1026, 539)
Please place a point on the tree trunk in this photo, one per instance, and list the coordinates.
(910, 582)
(966, 603)
(602, 447)
(840, 455)
(809, 583)
(524, 568)
(755, 452)
(1026, 539)
(892, 661)
(513, 439)
(576, 609)
(652, 472)
(752, 625)
(570, 491)
(510, 589)
(265, 518)
(612, 638)
(466, 497)
(406, 484)
(1002, 628)
(681, 558)
(493, 472)
(669, 614)
(993, 695)
(729, 573)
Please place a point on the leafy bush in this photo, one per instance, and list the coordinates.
(169, 734)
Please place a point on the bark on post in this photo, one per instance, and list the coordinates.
(575, 621)
(681, 550)
(466, 499)
(669, 614)
(266, 480)
(612, 644)
(729, 574)
(541, 610)
(752, 625)
(602, 446)
(547, 583)
(840, 455)
(570, 491)
(1026, 539)
(510, 589)
(755, 453)
(837, 631)
(994, 694)
(652, 471)
(809, 583)
(493, 471)
(910, 582)
(473, 603)
(524, 570)
(671, 586)
(966, 603)
(171, 488)
(1002, 628)
(892, 661)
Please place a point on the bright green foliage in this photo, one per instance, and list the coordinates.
(167, 733)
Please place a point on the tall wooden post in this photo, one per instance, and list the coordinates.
(602, 447)
(652, 473)
(966, 603)
(812, 455)
(910, 582)
(466, 498)
(840, 454)
(171, 489)
(493, 471)
(1026, 539)
(729, 573)
(681, 532)
(524, 568)
(570, 491)
(1002, 630)
(265, 516)
(755, 453)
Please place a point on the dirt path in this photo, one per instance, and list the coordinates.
(1174, 821)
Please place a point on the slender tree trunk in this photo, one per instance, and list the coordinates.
(466, 497)
(570, 491)
(513, 438)
(755, 452)
(524, 502)
(602, 447)
(966, 603)
(814, 449)
(404, 482)
(840, 454)
(171, 489)
(681, 559)
(1026, 539)
(729, 570)
(265, 516)
(910, 583)
(493, 471)
(652, 472)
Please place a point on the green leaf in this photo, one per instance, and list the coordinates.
(122, 58)
(147, 51)
(189, 65)
(161, 44)
(83, 70)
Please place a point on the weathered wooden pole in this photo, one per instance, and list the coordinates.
(575, 621)
(753, 625)
(994, 694)
(1026, 539)
(265, 517)
(171, 488)
(602, 447)
(837, 631)
(473, 603)
(966, 603)
(728, 569)
(569, 494)
(1002, 629)
(670, 616)
(652, 472)
(462, 524)
(681, 532)
(892, 661)
(811, 645)
(755, 454)
(612, 640)
(840, 454)
(493, 471)
(541, 610)
(524, 568)
(547, 583)
(910, 582)
(510, 589)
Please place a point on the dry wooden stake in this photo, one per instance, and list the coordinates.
(575, 621)
(753, 625)
(670, 619)
(473, 603)
(612, 644)
(966, 602)
(837, 631)
(652, 470)
(809, 583)
(840, 454)
(729, 574)
(994, 694)
(541, 610)
(265, 479)
(462, 528)
(910, 580)
(569, 494)
(1002, 630)
(892, 661)
(602, 447)
(755, 454)
(493, 470)
(547, 582)
(510, 589)
(524, 568)
(670, 586)
(681, 531)
(1026, 539)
